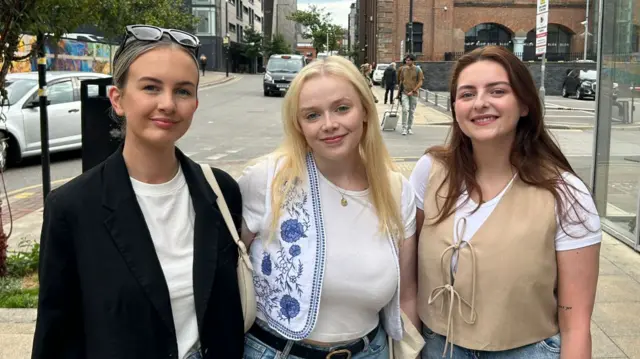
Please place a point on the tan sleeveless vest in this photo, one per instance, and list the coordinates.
(503, 295)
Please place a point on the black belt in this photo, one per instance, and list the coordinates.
(342, 352)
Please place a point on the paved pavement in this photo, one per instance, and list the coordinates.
(236, 124)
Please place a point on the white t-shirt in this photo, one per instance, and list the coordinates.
(357, 282)
(581, 236)
(169, 214)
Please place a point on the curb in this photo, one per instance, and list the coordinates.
(18, 316)
(218, 82)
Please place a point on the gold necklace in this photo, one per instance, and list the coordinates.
(343, 201)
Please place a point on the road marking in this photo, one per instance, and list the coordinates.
(235, 150)
(217, 156)
(24, 195)
(191, 154)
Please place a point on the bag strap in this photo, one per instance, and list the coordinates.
(224, 209)
(396, 190)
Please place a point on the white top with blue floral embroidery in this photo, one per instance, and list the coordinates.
(360, 272)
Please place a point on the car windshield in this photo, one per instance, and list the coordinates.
(284, 65)
(588, 75)
(16, 89)
(382, 67)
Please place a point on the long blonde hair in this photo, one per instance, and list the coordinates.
(376, 159)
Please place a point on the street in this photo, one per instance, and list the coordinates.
(235, 123)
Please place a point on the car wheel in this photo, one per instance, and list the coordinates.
(266, 93)
(9, 151)
(579, 94)
(564, 91)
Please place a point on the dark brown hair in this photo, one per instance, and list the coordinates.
(536, 157)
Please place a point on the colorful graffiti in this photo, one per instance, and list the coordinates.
(67, 55)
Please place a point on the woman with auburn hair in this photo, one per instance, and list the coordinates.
(326, 217)
(509, 236)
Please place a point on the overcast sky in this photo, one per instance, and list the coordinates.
(339, 9)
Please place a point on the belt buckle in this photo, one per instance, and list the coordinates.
(338, 352)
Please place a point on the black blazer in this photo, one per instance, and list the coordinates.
(389, 77)
(102, 290)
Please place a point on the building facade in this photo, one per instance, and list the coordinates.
(616, 162)
(443, 29)
(220, 18)
(276, 22)
(367, 11)
(351, 28)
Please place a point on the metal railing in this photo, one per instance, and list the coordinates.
(435, 98)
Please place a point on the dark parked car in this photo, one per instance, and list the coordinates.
(281, 69)
(580, 83)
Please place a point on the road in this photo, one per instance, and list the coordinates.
(235, 123)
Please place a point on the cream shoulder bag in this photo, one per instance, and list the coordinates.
(412, 341)
(245, 269)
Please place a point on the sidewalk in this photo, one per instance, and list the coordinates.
(425, 115)
(212, 78)
(615, 329)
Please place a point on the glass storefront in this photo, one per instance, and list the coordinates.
(616, 174)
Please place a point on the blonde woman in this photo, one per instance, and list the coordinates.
(365, 70)
(323, 216)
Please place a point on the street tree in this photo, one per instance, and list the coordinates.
(253, 44)
(316, 23)
(277, 45)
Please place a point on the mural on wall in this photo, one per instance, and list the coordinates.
(72, 55)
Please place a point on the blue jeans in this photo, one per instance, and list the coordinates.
(409, 104)
(255, 349)
(546, 349)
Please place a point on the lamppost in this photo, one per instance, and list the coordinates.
(226, 44)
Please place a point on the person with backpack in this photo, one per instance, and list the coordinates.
(410, 78)
(389, 80)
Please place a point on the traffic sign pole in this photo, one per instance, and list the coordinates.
(542, 20)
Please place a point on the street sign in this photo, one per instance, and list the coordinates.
(225, 40)
(542, 21)
(543, 6)
(401, 49)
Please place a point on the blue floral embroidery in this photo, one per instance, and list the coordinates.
(292, 230)
(266, 264)
(289, 307)
(294, 250)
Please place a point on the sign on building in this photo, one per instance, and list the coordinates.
(542, 20)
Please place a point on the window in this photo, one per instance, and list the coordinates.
(207, 21)
(245, 9)
(417, 37)
(240, 33)
(232, 27)
(61, 92)
(558, 40)
(239, 10)
(203, 2)
(487, 34)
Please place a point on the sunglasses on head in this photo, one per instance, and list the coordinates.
(154, 33)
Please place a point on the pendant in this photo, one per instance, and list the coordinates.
(344, 202)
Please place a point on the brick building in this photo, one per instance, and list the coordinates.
(444, 28)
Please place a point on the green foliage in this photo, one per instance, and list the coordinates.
(12, 295)
(252, 43)
(277, 45)
(317, 24)
(21, 264)
(111, 16)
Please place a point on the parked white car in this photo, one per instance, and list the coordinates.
(21, 126)
(378, 73)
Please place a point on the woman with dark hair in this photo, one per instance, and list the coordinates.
(136, 259)
(509, 236)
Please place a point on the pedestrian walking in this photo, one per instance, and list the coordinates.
(509, 234)
(389, 79)
(136, 260)
(325, 204)
(410, 78)
(365, 71)
(203, 63)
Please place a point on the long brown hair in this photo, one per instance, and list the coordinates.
(536, 157)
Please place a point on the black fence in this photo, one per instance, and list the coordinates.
(531, 56)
